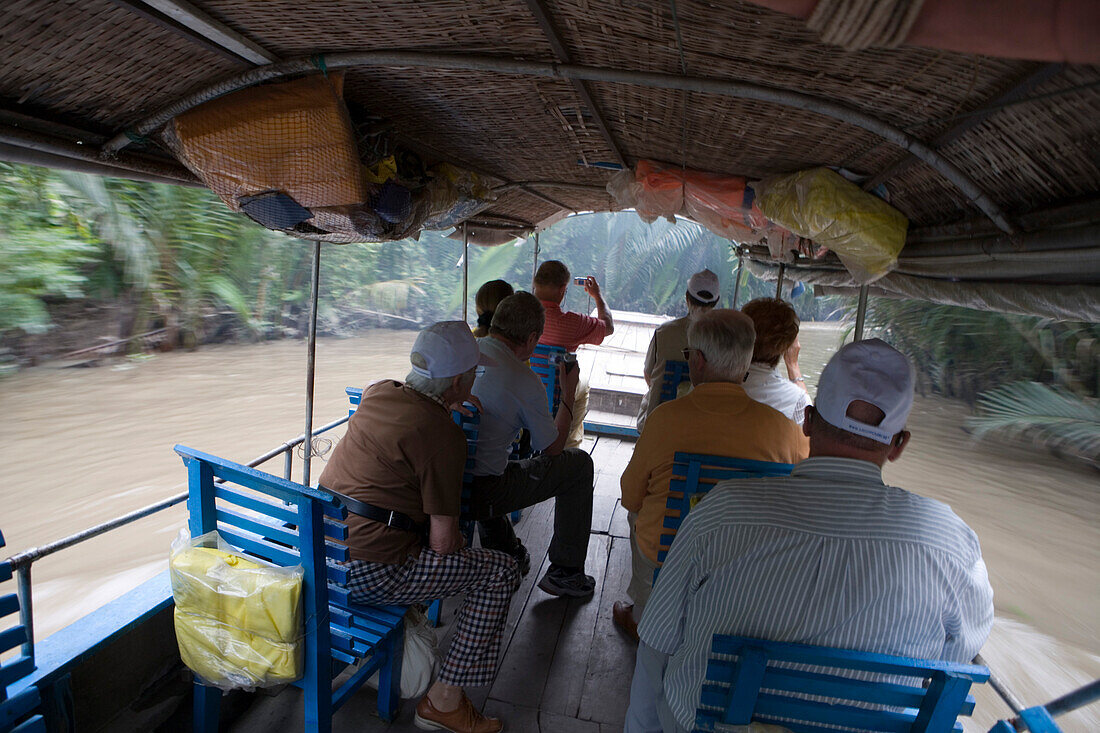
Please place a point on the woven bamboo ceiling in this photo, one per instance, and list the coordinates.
(1026, 133)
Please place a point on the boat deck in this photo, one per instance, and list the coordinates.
(565, 667)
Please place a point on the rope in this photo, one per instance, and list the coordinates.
(860, 24)
(318, 447)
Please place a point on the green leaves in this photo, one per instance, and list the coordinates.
(1053, 416)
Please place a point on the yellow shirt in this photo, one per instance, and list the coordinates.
(715, 418)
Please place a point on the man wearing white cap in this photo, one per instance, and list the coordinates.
(670, 339)
(830, 555)
(400, 468)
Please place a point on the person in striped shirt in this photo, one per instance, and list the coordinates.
(566, 328)
(830, 555)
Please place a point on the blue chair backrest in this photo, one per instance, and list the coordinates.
(693, 475)
(18, 711)
(287, 524)
(355, 396)
(543, 364)
(469, 425)
(676, 372)
(772, 682)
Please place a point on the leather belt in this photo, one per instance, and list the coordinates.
(388, 517)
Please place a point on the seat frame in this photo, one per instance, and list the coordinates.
(783, 683)
(287, 524)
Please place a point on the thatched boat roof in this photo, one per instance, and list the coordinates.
(1023, 134)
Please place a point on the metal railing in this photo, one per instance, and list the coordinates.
(21, 562)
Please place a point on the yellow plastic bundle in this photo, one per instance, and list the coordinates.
(866, 233)
(238, 622)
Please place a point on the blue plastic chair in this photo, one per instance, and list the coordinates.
(757, 680)
(693, 475)
(676, 372)
(543, 363)
(290, 524)
(19, 711)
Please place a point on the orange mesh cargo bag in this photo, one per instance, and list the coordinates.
(293, 137)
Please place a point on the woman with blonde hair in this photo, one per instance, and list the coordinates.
(488, 297)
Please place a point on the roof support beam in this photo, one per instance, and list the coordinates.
(561, 53)
(191, 23)
(495, 64)
(566, 185)
(48, 145)
(972, 120)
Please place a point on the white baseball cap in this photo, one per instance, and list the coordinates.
(449, 349)
(872, 371)
(703, 286)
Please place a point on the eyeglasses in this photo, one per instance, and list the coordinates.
(687, 353)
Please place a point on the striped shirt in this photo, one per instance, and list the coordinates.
(830, 556)
(568, 329)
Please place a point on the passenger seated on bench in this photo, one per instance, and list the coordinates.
(776, 337)
(512, 397)
(715, 418)
(829, 556)
(497, 532)
(568, 330)
(404, 455)
(486, 301)
(670, 339)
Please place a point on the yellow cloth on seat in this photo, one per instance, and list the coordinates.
(219, 653)
(238, 622)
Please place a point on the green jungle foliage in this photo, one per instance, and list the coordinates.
(1027, 376)
(175, 256)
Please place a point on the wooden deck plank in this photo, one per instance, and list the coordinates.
(565, 681)
(606, 690)
(619, 526)
(564, 665)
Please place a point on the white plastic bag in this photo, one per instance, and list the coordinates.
(421, 659)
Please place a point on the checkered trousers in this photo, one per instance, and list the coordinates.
(487, 577)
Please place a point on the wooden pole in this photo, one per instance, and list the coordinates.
(861, 312)
(737, 281)
(465, 271)
(311, 361)
(535, 266)
(779, 281)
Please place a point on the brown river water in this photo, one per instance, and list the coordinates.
(81, 446)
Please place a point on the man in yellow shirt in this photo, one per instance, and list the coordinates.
(715, 418)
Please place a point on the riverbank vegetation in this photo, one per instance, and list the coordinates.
(90, 265)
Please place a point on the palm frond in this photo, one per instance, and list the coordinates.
(1056, 417)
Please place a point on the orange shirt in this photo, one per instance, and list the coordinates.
(715, 418)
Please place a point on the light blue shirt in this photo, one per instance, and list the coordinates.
(512, 397)
(829, 556)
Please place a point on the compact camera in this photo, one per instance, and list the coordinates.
(580, 280)
(570, 360)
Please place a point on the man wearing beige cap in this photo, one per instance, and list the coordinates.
(670, 339)
(830, 555)
(400, 469)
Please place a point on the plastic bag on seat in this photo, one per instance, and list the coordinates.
(238, 621)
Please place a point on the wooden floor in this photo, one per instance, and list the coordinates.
(565, 667)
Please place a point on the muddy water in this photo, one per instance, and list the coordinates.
(80, 446)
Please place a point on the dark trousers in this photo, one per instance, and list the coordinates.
(567, 477)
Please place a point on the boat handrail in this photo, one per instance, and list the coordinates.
(21, 562)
